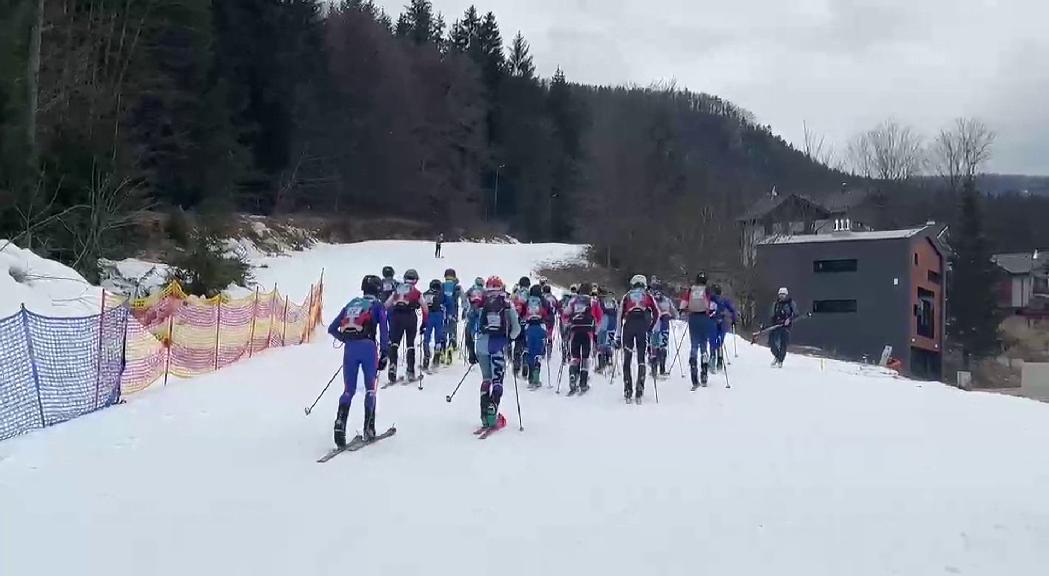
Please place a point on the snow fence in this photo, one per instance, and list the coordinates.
(55, 369)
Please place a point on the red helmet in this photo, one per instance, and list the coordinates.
(494, 283)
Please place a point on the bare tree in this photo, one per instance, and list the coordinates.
(819, 150)
(889, 151)
(960, 150)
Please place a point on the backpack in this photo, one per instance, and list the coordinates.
(493, 315)
(433, 303)
(534, 309)
(476, 296)
(451, 287)
(698, 300)
(610, 305)
(580, 312)
(388, 286)
(663, 303)
(357, 317)
(401, 295)
(634, 303)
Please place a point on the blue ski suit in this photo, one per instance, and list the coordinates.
(498, 326)
(436, 303)
(355, 327)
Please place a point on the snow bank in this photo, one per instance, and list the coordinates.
(133, 277)
(821, 468)
(44, 286)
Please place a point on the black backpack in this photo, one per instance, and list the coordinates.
(494, 320)
(581, 312)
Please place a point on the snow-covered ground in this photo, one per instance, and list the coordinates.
(819, 468)
(44, 286)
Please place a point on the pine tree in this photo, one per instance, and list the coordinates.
(520, 61)
(419, 25)
(568, 126)
(973, 323)
(465, 33)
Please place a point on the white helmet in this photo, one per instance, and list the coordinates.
(783, 291)
(639, 279)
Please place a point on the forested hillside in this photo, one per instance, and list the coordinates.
(112, 107)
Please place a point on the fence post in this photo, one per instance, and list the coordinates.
(254, 314)
(32, 363)
(309, 319)
(284, 330)
(218, 325)
(98, 360)
(273, 304)
(171, 344)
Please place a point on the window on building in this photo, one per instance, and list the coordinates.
(829, 266)
(833, 306)
(926, 313)
(915, 258)
(934, 277)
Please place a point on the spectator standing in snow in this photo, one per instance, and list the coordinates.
(437, 248)
(783, 314)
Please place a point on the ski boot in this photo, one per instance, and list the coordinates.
(584, 387)
(369, 425)
(426, 359)
(703, 374)
(628, 386)
(693, 370)
(573, 380)
(535, 381)
(640, 384)
(340, 425)
(392, 374)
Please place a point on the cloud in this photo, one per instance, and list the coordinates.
(839, 65)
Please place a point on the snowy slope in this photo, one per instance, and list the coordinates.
(820, 468)
(44, 286)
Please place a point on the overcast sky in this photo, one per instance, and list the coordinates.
(839, 65)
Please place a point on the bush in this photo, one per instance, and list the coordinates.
(179, 228)
(206, 270)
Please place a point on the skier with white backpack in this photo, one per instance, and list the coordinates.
(700, 307)
(582, 315)
(637, 315)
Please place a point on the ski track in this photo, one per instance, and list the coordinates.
(818, 468)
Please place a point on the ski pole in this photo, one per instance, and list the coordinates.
(517, 395)
(312, 406)
(677, 354)
(725, 368)
(655, 387)
(559, 374)
(452, 395)
(735, 342)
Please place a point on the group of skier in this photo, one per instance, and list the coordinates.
(523, 323)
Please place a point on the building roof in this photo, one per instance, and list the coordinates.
(767, 204)
(840, 202)
(843, 236)
(1022, 262)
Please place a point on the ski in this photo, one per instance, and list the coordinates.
(583, 391)
(356, 444)
(392, 383)
(484, 431)
(572, 392)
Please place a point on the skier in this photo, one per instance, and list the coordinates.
(471, 315)
(388, 283)
(402, 304)
(724, 318)
(355, 327)
(660, 342)
(700, 308)
(637, 316)
(498, 326)
(551, 322)
(537, 311)
(437, 247)
(606, 332)
(519, 301)
(433, 326)
(784, 312)
(453, 298)
(582, 315)
(565, 298)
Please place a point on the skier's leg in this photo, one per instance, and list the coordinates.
(411, 326)
(484, 360)
(641, 343)
(535, 336)
(396, 335)
(351, 362)
(704, 358)
(584, 359)
(369, 368)
(784, 342)
(440, 338)
(427, 334)
(695, 337)
(575, 349)
(498, 360)
(628, 356)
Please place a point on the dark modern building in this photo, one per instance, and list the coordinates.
(865, 291)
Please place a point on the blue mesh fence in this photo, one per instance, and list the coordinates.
(55, 369)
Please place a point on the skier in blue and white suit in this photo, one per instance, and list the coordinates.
(356, 327)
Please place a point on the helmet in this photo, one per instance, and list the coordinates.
(542, 280)
(701, 279)
(546, 289)
(371, 284)
(784, 292)
(574, 288)
(639, 281)
(524, 282)
(584, 288)
(435, 284)
(411, 276)
(478, 281)
(494, 283)
(535, 290)
(387, 271)
(594, 290)
(450, 273)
